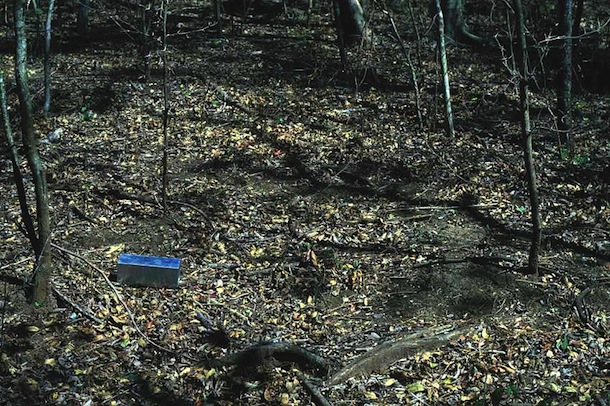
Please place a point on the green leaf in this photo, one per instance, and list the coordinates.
(512, 390)
(580, 160)
(416, 387)
(562, 343)
(132, 376)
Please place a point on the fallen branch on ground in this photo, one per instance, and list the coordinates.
(84, 310)
(316, 396)
(266, 353)
(384, 355)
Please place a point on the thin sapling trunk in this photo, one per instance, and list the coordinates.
(526, 135)
(42, 248)
(442, 50)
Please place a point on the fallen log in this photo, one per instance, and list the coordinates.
(382, 356)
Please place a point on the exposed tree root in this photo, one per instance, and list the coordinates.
(384, 355)
(266, 353)
(316, 396)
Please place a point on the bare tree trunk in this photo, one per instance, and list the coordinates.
(218, 15)
(147, 8)
(417, 36)
(413, 71)
(42, 248)
(580, 7)
(455, 26)
(442, 50)
(352, 20)
(309, 11)
(15, 159)
(82, 21)
(526, 134)
(47, 58)
(164, 6)
(564, 85)
(340, 36)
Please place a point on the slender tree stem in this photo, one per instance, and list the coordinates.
(42, 251)
(526, 134)
(166, 106)
(564, 90)
(47, 58)
(442, 49)
(17, 175)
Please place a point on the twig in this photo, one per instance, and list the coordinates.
(478, 260)
(313, 390)
(417, 218)
(411, 68)
(454, 207)
(580, 306)
(3, 267)
(149, 200)
(190, 206)
(230, 99)
(84, 310)
(535, 283)
(439, 261)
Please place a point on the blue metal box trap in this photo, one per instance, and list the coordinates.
(143, 270)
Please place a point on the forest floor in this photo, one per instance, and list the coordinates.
(318, 223)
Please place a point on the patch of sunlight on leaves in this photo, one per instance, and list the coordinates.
(450, 385)
(113, 249)
(256, 252)
(370, 395)
(484, 334)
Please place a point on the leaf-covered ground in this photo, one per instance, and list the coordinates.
(309, 211)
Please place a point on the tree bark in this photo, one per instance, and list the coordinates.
(218, 15)
(412, 70)
(442, 51)
(564, 85)
(164, 170)
(353, 23)
(580, 7)
(47, 58)
(340, 37)
(15, 160)
(42, 248)
(526, 134)
(455, 26)
(147, 8)
(82, 20)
